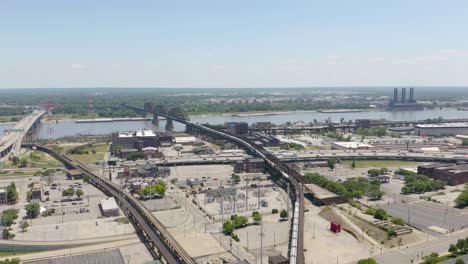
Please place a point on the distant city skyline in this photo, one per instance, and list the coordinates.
(238, 44)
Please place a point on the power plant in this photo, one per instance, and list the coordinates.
(403, 103)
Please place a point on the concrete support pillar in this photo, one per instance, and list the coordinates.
(169, 125)
(155, 119)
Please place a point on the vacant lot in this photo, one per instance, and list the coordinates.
(95, 153)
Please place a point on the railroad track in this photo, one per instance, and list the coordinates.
(160, 240)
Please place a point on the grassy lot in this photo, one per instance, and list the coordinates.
(95, 153)
(37, 159)
(380, 163)
(14, 253)
(313, 148)
(14, 173)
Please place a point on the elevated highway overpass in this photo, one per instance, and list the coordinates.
(11, 141)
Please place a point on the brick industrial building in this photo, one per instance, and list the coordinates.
(453, 174)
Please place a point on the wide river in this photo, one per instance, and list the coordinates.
(70, 128)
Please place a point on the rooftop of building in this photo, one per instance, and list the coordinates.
(145, 133)
(109, 203)
(434, 165)
(125, 135)
(462, 168)
(129, 150)
(320, 192)
(185, 139)
(74, 172)
(352, 144)
(254, 160)
(445, 125)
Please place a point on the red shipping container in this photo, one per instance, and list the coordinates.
(334, 227)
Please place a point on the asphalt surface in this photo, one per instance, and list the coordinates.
(102, 257)
(424, 217)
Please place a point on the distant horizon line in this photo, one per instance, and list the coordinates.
(266, 87)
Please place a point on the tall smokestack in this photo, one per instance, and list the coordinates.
(403, 95)
(411, 94)
(395, 95)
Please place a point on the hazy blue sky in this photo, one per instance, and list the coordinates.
(221, 43)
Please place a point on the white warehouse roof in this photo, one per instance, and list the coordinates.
(145, 133)
(352, 144)
(187, 139)
(446, 125)
(109, 204)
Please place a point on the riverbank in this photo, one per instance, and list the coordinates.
(280, 112)
(86, 119)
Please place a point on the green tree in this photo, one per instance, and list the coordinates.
(236, 178)
(135, 156)
(459, 261)
(353, 164)
(397, 221)
(331, 162)
(23, 162)
(239, 221)
(373, 172)
(465, 142)
(15, 160)
(257, 217)
(79, 193)
(383, 171)
(68, 192)
(228, 227)
(391, 232)
(9, 216)
(367, 261)
(86, 178)
(10, 261)
(453, 249)
(12, 194)
(380, 214)
(32, 210)
(462, 200)
(461, 244)
(433, 258)
(374, 192)
(24, 225)
(284, 214)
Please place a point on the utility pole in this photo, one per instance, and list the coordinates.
(408, 214)
(287, 201)
(261, 241)
(235, 198)
(222, 209)
(258, 187)
(314, 230)
(246, 196)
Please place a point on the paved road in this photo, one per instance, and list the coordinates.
(404, 256)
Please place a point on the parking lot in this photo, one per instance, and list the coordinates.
(420, 215)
